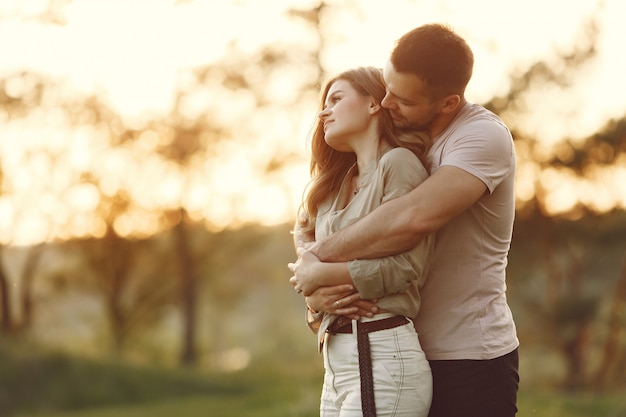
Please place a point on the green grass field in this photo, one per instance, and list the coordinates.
(263, 405)
(34, 384)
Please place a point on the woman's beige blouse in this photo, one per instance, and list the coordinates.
(394, 280)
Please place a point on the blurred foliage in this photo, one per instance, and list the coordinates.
(186, 138)
(576, 159)
(194, 293)
(565, 285)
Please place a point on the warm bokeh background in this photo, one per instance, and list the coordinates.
(153, 154)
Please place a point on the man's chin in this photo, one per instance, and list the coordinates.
(400, 124)
(405, 126)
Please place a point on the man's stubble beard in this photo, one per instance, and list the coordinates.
(406, 126)
(411, 127)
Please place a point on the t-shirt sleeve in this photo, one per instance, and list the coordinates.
(482, 148)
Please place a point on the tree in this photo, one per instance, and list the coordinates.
(556, 254)
(17, 94)
(6, 324)
(27, 304)
(614, 356)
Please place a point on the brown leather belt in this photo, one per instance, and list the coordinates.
(365, 358)
(343, 324)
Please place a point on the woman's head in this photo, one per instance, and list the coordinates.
(329, 165)
(350, 105)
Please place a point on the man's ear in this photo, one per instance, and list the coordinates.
(450, 103)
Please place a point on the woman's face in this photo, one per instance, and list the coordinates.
(346, 116)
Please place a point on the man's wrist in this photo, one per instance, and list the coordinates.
(324, 251)
(314, 247)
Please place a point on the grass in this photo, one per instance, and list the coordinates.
(554, 404)
(40, 384)
(34, 383)
(530, 405)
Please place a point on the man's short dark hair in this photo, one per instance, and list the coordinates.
(438, 56)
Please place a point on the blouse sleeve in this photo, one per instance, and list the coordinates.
(375, 278)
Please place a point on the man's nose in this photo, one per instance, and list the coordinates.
(387, 101)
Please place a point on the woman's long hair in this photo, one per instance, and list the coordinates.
(328, 166)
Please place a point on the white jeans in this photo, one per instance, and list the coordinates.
(402, 376)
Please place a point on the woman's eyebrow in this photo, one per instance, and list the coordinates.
(333, 94)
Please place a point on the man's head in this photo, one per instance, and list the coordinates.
(426, 77)
(436, 55)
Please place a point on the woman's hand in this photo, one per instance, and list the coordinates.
(305, 272)
(310, 273)
(342, 300)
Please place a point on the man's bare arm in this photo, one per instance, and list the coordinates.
(339, 299)
(400, 224)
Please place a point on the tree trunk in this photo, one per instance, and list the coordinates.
(612, 348)
(26, 287)
(188, 286)
(6, 323)
(113, 265)
(570, 312)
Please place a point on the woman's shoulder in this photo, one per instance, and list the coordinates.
(402, 159)
(399, 155)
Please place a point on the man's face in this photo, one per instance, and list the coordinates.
(407, 100)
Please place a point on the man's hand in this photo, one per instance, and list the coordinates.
(342, 300)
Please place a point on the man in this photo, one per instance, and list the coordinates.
(464, 323)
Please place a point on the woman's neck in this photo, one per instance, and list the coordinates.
(370, 152)
(368, 145)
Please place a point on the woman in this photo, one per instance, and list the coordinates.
(359, 161)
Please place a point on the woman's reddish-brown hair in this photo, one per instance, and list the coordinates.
(328, 166)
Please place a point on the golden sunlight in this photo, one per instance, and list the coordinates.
(607, 188)
(561, 190)
(135, 55)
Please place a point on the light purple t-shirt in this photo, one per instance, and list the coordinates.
(464, 312)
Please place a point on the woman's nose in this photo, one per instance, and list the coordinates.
(324, 113)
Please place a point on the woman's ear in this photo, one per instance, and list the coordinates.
(374, 107)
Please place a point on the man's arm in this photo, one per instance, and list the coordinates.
(337, 299)
(372, 278)
(402, 223)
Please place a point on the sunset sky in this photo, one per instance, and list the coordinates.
(131, 52)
